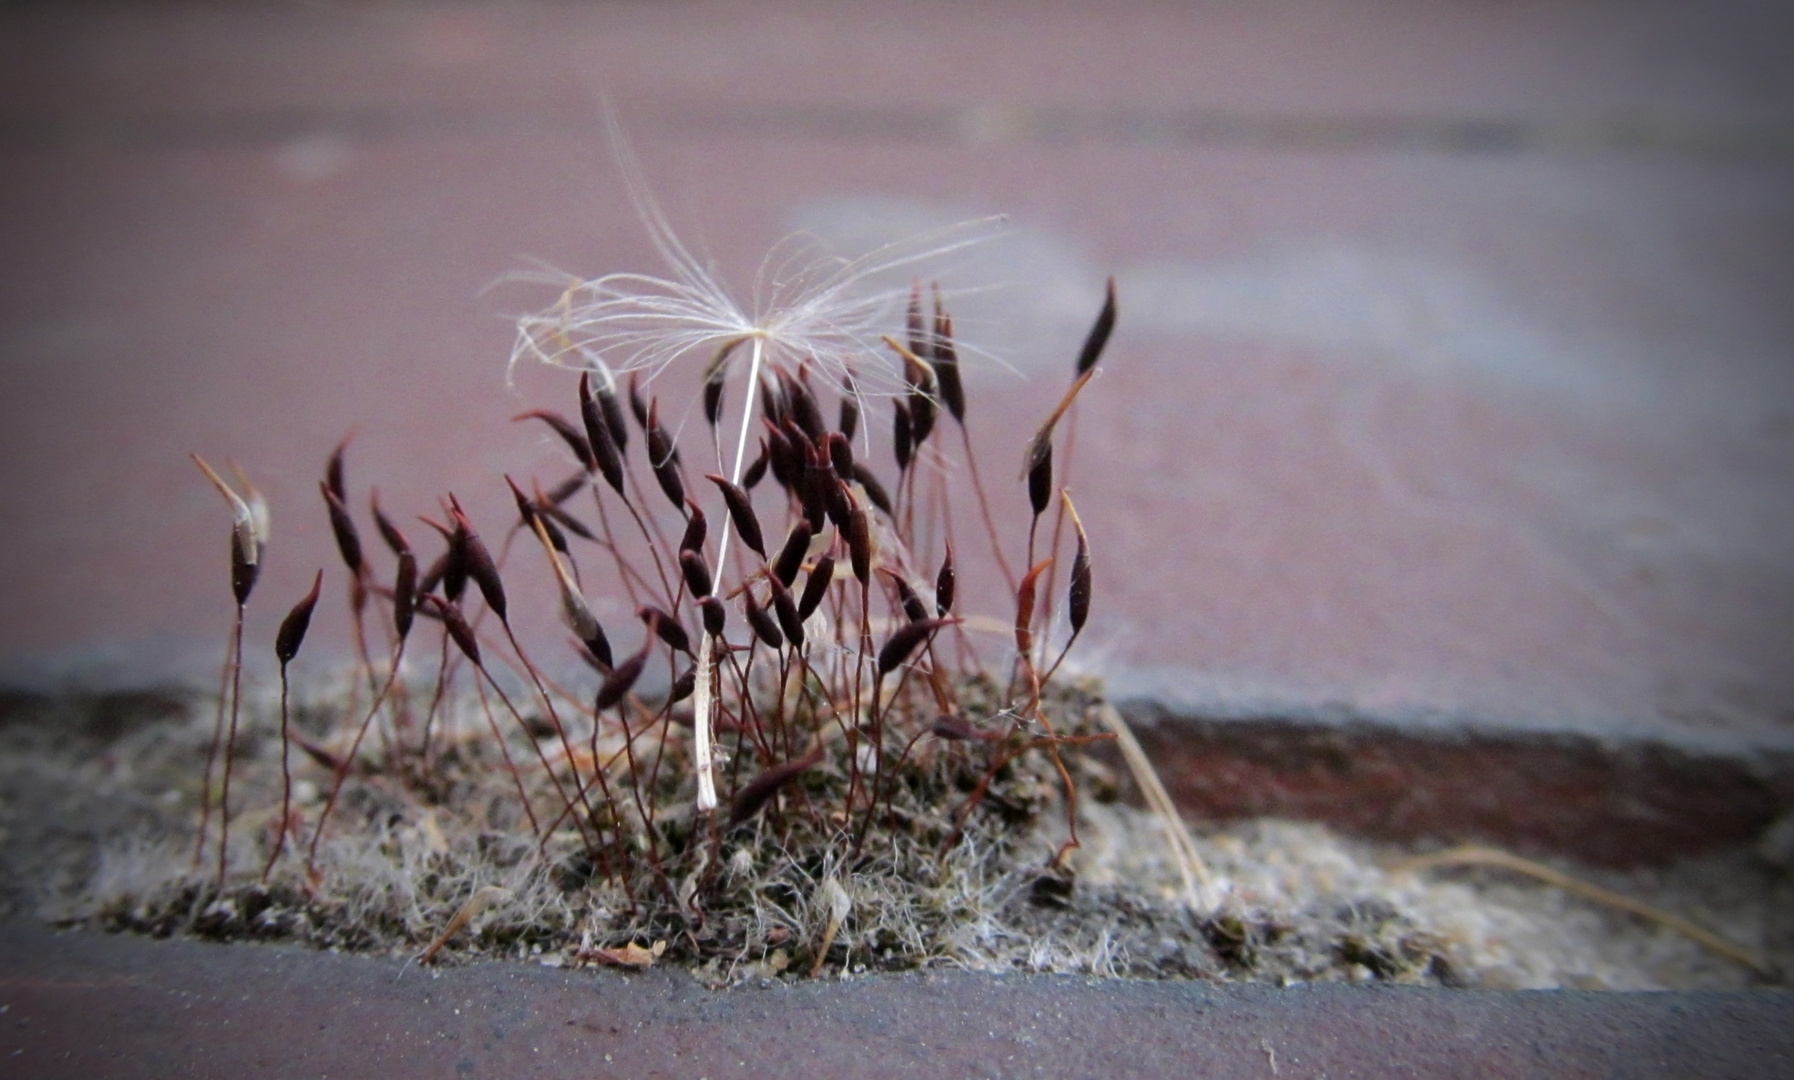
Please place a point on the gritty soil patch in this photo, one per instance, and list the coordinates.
(99, 821)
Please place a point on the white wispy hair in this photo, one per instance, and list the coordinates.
(806, 305)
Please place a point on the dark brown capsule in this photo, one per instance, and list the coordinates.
(591, 659)
(1099, 333)
(875, 491)
(696, 527)
(348, 541)
(395, 540)
(840, 504)
(451, 570)
(714, 615)
(480, 566)
(621, 678)
(666, 628)
(859, 543)
(404, 593)
(697, 573)
(1078, 603)
(946, 362)
(818, 481)
(840, 454)
(713, 401)
(333, 472)
(663, 458)
(579, 443)
(804, 412)
(756, 469)
(551, 512)
(741, 512)
(816, 587)
(637, 403)
(599, 645)
(458, 630)
(782, 458)
(923, 406)
(945, 583)
(913, 608)
(791, 556)
(454, 573)
(526, 510)
(757, 792)
(1040, 481)
(760, 622)
(605, 390)
(297, 622)
(564, 490)
(601, 436)
(903, 642)
(850, 417)
(786, 609)
(683, 686)
(434, 575)
(714, 378)
(772, 402)
(901, 436)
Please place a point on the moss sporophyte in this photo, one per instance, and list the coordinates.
(830, 725)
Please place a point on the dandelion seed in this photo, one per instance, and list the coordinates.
(820, 311)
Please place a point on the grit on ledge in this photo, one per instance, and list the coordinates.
(97, 831)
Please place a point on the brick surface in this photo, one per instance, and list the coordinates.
(1453, 384)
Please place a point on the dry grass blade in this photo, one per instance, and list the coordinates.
(1040, 447)
(835, 905)
(1473, 855)
(469, 910)
(1183, 846)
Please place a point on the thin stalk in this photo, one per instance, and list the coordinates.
(286, 777)
(990, 521)
(230, 744)
(348, 762)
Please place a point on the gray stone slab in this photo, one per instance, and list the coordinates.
(91, 1005)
